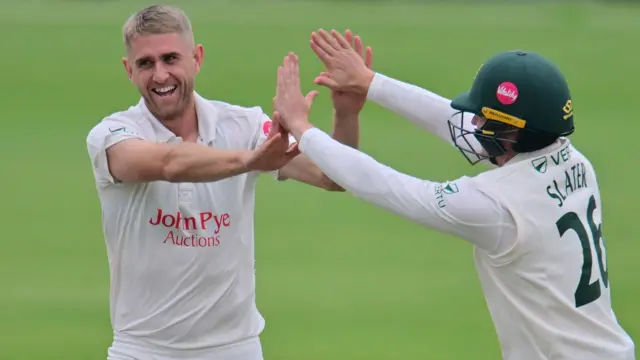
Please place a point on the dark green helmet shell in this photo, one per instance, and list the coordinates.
(522, 89)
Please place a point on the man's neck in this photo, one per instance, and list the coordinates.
(186, 125)
(503, 159)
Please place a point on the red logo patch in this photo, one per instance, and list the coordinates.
(266, 127)
(507, 93)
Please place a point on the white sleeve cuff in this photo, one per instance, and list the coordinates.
(376, 87)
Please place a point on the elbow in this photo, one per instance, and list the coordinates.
(330, 185)
(171, 174)
(172, 167)
(336, 188)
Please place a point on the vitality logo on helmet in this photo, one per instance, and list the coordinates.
(507, 93)
(521, 102)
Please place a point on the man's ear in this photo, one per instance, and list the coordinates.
(198, 56)
(128, 68)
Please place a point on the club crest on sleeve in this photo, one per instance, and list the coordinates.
(266, 127)
(450, 188)
(443, 189)
(507, 93)
(122, 130)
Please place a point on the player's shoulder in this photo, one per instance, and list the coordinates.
(495, 176)
(580, 156)
(130, 120)
(535, 167)
(241, 125)
(237, 113)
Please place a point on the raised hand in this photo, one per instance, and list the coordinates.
(275, 152)
(292, 106)
(348, 67)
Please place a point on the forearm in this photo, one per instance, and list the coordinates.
(188, 162)
(362, 175)
(459, 209)
(346, 129)
(424, 108)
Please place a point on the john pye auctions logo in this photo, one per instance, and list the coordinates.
(206, 226)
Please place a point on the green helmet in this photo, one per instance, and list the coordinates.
(525, 101)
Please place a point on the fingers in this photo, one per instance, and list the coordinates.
(271, 142)
(322, 55)
(367, 54)
(295, 70)
(348, 35)
(330, 39)
(325, 41)
(319, 80)
(293, 151)
(326, 81)
(322, 44)
(358, 45)
(276, 126)
(368, 59)
(311, 96)
(340, 41)
(290, 75)
(327, 45)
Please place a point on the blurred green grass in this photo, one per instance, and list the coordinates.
(337, 278)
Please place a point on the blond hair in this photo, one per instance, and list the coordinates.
(155, 20)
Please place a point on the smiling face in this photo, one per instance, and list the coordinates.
(163, 68)
(162, 60)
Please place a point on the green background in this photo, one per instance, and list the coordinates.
(337, 278)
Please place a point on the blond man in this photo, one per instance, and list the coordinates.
(176, 177)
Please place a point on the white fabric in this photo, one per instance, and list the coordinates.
(423, 108)
(529, 266)
(130, 349)
(528, 272)
(461, 209)
(181, 255)
(532, 290)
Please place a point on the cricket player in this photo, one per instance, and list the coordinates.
(534, 218)
(176, 177)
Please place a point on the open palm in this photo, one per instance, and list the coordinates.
(344, 102)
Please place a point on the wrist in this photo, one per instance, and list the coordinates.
(244, 160)
(345, 115)
(299, 128)
(365, 81)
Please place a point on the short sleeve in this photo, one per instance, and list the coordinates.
(102, 137)
(263, 124)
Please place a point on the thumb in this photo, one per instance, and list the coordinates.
(293, 151)
(326, 82)
(278, 127)
(275, 124)
(311, 96)
(267, 144)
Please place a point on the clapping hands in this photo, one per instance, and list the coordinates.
(348, 74)
(348, 65)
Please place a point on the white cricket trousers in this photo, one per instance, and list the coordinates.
(250, 349)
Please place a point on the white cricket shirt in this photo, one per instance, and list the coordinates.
(181, 255)
(533, 228)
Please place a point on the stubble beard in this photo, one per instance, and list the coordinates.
(171, 112)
